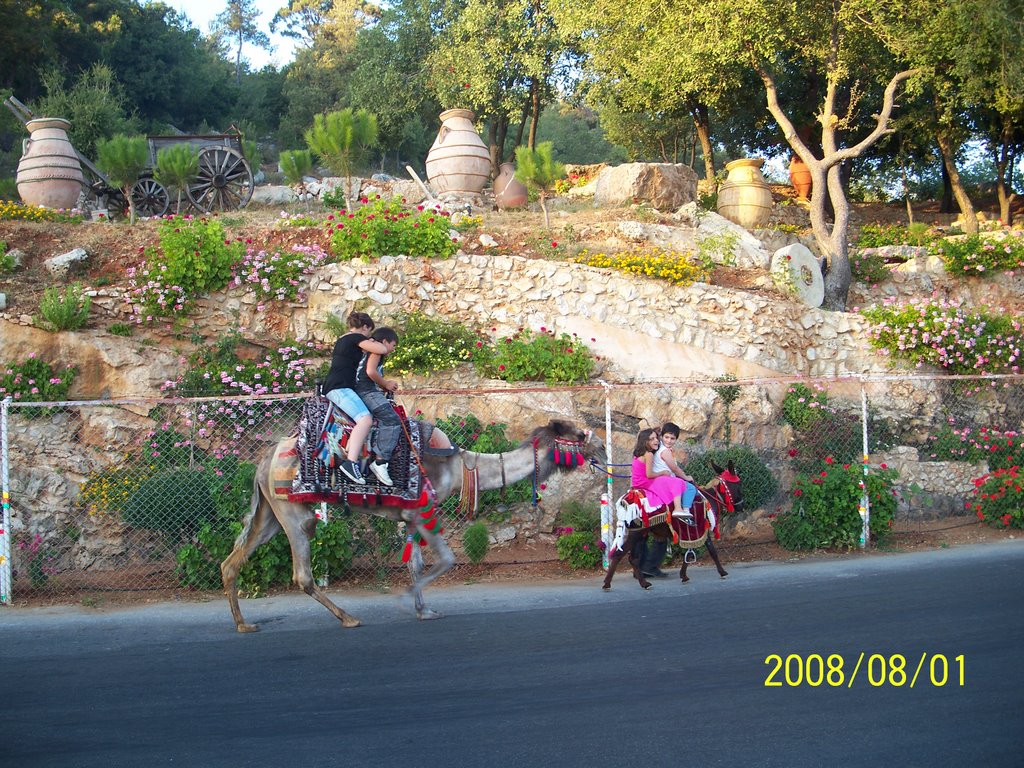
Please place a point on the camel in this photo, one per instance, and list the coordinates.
(723, 494)
(536, 456)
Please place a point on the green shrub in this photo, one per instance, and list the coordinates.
(868, 268)
(826, 507)
(194, 258)
(579, 515)
(1001, 450)
(802, 408)
(177, 502)
(121, 329)
(296, 164)
(974, 255)
(35, 381)
(430, 344)
(475, 540)
(386, 228)
(278, 273)
(759, 485)
(218, 369)
(65, 310)
(6, 260)
(880, 235)
(526, 356)
(177, 166)
(580, 549)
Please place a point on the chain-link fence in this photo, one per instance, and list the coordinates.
(149, 494)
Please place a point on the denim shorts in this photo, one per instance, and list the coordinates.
(349, 402)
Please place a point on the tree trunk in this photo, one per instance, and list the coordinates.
(948, 150)
(1004, 160)
(946, 203)
(703, 127)
(535, 108)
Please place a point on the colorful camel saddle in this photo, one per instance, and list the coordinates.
(633, 510)
(307, 470)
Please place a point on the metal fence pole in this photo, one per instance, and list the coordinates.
(865, 501)
(607, 519)
(6, 575)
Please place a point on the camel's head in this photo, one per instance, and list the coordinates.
(566, 444)
(729, 486)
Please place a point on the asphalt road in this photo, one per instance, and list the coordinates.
(556, 675)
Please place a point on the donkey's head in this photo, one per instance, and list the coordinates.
(729, 486)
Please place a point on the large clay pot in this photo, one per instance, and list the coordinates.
(744, 198)
(509, 192)
(800, 177)
(49, 173)
(458, 160)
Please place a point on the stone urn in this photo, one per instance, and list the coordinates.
(49, 173)
(744, 198)
(458, 160)
(509, 192)
(800, 177)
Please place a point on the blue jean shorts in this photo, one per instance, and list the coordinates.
(349, 402)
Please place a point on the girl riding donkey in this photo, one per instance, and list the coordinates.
(661, 485)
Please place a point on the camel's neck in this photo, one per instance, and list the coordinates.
(498, 469)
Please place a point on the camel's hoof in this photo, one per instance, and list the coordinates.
(243, 628)
(351, 623)
(428, 615)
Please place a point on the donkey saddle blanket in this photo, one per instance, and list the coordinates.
(634, 511)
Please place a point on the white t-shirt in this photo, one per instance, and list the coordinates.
(659, 465)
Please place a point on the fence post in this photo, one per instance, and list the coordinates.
(6, 575)
(607, 522)
(865, 502)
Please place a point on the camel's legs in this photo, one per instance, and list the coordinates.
(299, 525)
(260, 527)
(445, 561)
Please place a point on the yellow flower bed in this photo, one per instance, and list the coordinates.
(649, 262)
(108, 490)
(11, 211)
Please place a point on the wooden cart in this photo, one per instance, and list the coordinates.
(224, 181)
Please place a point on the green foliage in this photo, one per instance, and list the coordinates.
(868, 268)
(296, 164)
(386, 228)
(6, 260)
(343, 139)
(999, 498)
(334, 198)
(251, 152)
(942, 334)
(526, 356)
(577, 134)
(194, 258)
(973, 255)
(802, 407)
(35, 381)
(175, 502)
(123, 158)
(539, 171)
(121, 329)
(277, 273)
(879, 235)
(95, 105)
(177, 166)
(65, 310)
(475, 540)
(826, 504)
(999, 449)
(579, 549)
(579, 515)
(759, 484)
(430, 344)
(217, 369)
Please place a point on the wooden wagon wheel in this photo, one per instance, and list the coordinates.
(224, 181)
(150, 198)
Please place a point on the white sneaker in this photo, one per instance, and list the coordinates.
(683, 514)
(381, 471)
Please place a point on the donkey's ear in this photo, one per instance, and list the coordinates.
(732, 467)
(718, 469)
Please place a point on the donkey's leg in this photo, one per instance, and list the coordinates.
(299, 525)
(445, 561)
(713, 551)
(260, 527)
(613, 564)
(632, 550)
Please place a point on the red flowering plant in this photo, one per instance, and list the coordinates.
(826, 506)
(579, 543)
(529, 356)
(999, 498)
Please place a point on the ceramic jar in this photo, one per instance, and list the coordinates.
(458, 160)
(744, 198)
(800, 177)
(509, 192)
(49, 173)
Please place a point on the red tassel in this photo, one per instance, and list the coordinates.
(407, 551)
(579, 459)
(424, 500)
(557, 457)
